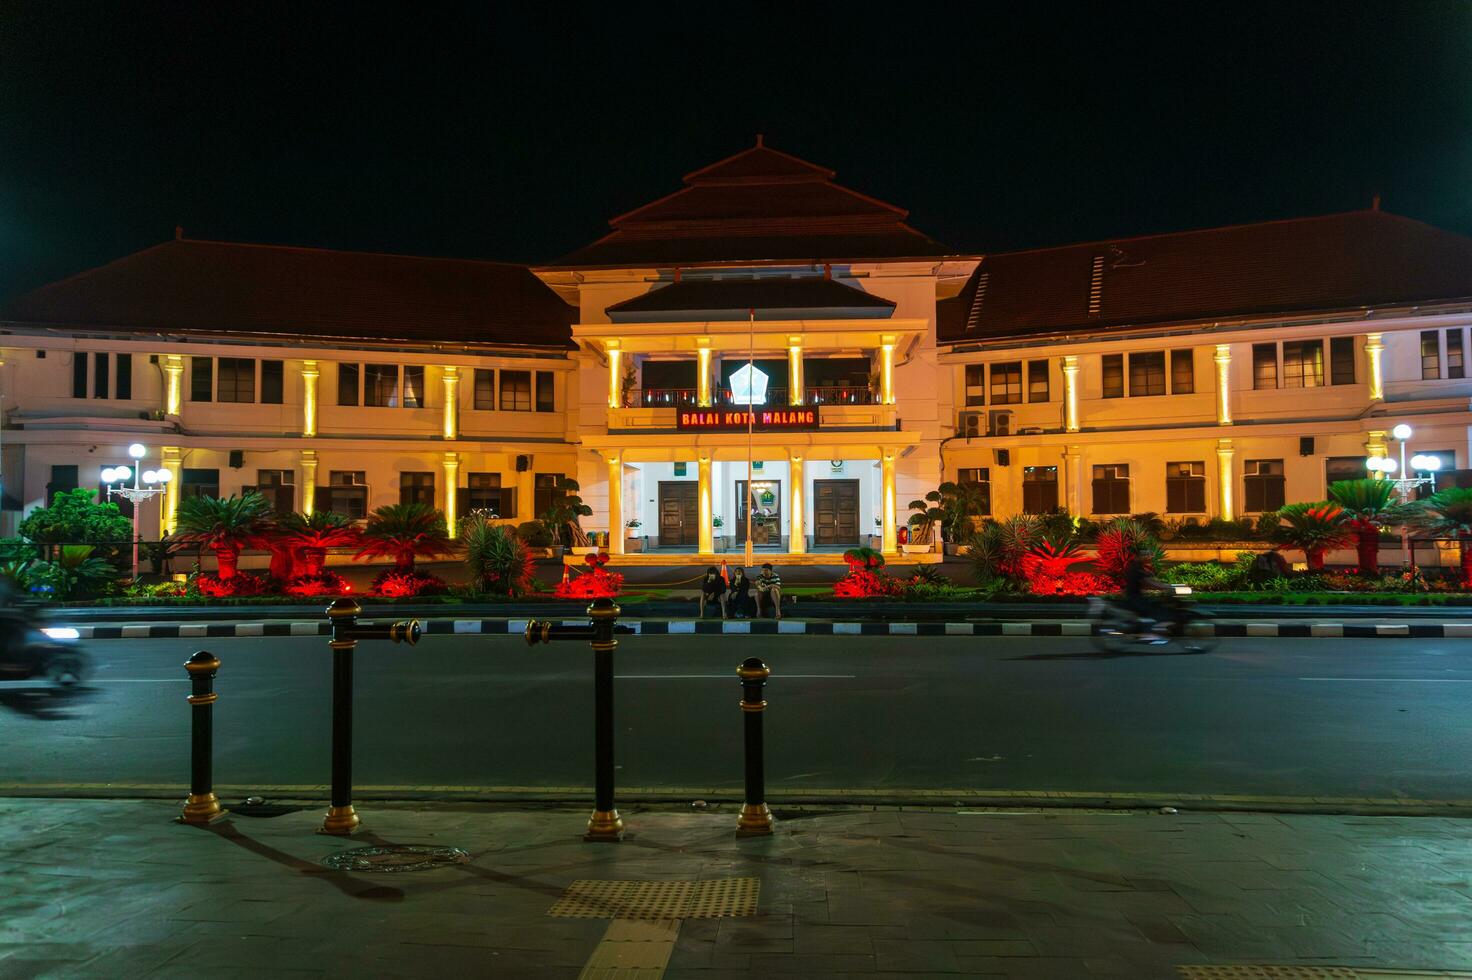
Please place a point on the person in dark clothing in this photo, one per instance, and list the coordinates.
(1137, 598)
(713, 590)
(739, 599)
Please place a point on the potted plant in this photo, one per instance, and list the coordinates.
(1369, 505)
(960, 504)
(923, 524)
(403, 532)
(562, 516)
(1315, 529)
(876, 540)
(224, 526)
(634, 540)
(719, 522)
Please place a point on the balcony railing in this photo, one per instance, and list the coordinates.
(687, 397)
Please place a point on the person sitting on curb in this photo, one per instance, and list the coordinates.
(769, 588)
(712, 589)
(740, 598)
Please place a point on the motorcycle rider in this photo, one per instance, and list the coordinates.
(1147, 608)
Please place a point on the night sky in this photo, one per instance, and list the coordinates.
(514, 133)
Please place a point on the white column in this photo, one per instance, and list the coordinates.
(173, 365)
(889, 543)
(1374, 350)
(1223, 360)
(615, 505)
(615, 378)
(452, 491)
(794, 371)
(172, 463)
(309, 480)
(451, 377)
(702, 372)
(707, 540)
(1070, 393)
(1072, 457)
(1227, 481)
(797, 539)
(886, 370)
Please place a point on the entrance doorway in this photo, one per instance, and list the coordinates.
(679, 513)
(766, 530)
(835, 512)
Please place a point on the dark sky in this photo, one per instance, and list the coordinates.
(515, 131)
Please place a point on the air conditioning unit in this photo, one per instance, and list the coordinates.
(1030, 430)
(1000, 423)
(972, 425)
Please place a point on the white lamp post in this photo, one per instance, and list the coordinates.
(1423, 465)
(155, 481)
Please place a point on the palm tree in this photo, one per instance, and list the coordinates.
(1314, 529)
(404, 531)
(1368, 506)
(223, 525)
(310, 535)
(1447, 514)
(497, 558)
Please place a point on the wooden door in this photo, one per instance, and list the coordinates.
(679, 513)
(768, 530)
(835, 512)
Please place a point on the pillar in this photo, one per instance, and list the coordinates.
(702, 373)
(795, 391)
(615, 378)
(173, 384)
(797, 538)
(169, 456)
(615, 505)
(526, 495)
(888, 540)
(1223, 360)
(707, 541)
(309, 481)
(1226, 480)
(1374, 350)
(451, 377)
(1072, 461)
(886, 370)
(452, 492)
(1375, 448)
(310, 376)
(1070, 394)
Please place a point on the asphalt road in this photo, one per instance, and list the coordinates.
(1258, 716)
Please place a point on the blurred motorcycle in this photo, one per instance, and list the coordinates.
(32, 651)
(1179, 623)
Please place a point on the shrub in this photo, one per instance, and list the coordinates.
(1123, 541)
(1208, 576)
(310, 535)
(498, 560)
(594, 584)
(73, 574)
(1266, 524)
(1314, 529)
(321, 583)
(1051, 559)
(403, 532)
(863, 558)
(534, 534)
(234, 587)
(223, 525)
(395, 583)
(916, 591)
(74, 517)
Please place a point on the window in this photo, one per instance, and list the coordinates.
(99, 376)
(347, 384)
(1264, 365)
(235, 381)
(201, 379)
(546, 391)
(124, 387)
(416, 488)
(484, 492)
(1430, 355)
(1007, 383)
(1112, 489)
(1185, 488)
(1182, 372)
(1037, 381)
(981, 479)
(516, 391)
(279, 487)
(272, 382)
(381, 385)
(1113, 375)
(1455, 362)
(1147, 373)
(346, 494)
(1039, 489)
(1303, 364)
(199, 483)
(413, 386)
(1262, 485)
(79, 374)
(485, 389)
(976, 384)
(545, 489)
(63, 478)
(1341, 360)
(1338, 468)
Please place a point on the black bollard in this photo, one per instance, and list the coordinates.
(202, 807)
(756, 818)
(341, 819)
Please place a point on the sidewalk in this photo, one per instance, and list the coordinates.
(113, 888)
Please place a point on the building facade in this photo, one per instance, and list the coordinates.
(763, 353)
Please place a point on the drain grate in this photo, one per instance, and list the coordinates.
(393, 858)
(1271, 972)
(716, 899)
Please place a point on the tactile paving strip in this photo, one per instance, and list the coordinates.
(1287, 972)
(720, 898)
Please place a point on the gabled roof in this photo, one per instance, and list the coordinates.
(1331, 263)
(227, 287)
(732, 299)
(761, 205)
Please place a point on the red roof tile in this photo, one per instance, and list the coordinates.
(731, 299)
(1335, 262)
(224, 287)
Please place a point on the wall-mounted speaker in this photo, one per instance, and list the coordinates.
(523, 463)
(1305, 445)
(237, 458)
(1004, 457)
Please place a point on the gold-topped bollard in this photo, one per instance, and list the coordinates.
(341, 819)
(756, 818)
(604, 825)
(203, 806)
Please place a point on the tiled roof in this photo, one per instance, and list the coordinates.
(195, 286)
(760, 205)
(730, 299)
(1336, 262)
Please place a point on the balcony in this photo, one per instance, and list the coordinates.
(851, 407)
(687, 397)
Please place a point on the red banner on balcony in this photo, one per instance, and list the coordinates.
(737, 419)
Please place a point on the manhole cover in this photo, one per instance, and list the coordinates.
(395, 857)
(717, 899)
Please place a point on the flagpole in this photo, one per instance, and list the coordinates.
(750, 418)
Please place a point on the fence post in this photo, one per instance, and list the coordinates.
(202, 807)
(756, 817)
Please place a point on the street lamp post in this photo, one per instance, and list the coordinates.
(1424, 465)
(155, 481)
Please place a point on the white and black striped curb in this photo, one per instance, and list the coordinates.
(660, 627)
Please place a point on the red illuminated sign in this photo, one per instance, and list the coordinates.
(737, 419)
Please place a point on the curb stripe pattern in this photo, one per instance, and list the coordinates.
(759, 627)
